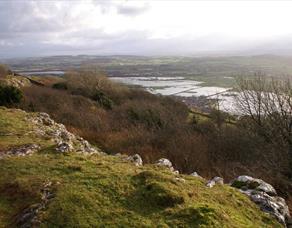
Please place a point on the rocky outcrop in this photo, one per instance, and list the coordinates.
(195, 174)
(136, 159)
(65, 140)
(264, 195)
(64, 147)
(214, 181)
(165, 163)
(247, 182)
(22, 150)
(30, 217)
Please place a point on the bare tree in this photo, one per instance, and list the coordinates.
(4, 70)
(87, 81)
(268, 104)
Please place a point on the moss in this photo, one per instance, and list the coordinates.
(16, 130)
(195, 217)
(107, 191)
(250, 185)
(237, 184)
(154, 188)
(159, 195)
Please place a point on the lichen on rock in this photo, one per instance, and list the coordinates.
(216, 180)
(165, 162)
(264, 195)
(22, 150)
(136, 159)
(65, 140)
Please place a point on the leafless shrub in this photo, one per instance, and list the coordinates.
(4, 70)
(267, 102)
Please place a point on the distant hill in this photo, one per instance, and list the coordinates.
(180, 65)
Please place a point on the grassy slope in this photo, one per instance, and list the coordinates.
(107, 191)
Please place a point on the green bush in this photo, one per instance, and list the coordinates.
(9, 95)
(102, 99)
(148, 117)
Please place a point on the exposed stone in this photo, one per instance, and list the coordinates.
(210, 184)
(45, 119)
(274, 205)
(30, 216)
(22, 150)
(66, 136)
(176, 172)
(136, 159)
(244, 178)
(218, 180)
(165, 162)
(267, 188)
(195, 174)
(214, 181)
(85, 147)
(247, 182)
(264, 195)
(180, 179)
(63, 147)
(65, 140)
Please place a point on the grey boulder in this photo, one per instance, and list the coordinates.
(136, 159)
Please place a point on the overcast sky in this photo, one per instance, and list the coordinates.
(38, 28)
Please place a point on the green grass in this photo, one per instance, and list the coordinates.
(107, 191)
(16, 130)
(201, 117)
(215, 80)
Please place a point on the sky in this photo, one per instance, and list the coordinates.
(133, 27)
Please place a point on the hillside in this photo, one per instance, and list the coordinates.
(83, 187)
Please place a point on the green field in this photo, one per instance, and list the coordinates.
(214, 71)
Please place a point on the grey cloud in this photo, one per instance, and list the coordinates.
(132, 10)
(122, 7)
(37, 28)
(19, 18)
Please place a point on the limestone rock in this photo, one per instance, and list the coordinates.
(265, 187)
(195, 174)
(179, 179)
(22, 150)
(45, 119)
(274, 205)
(218, 180)
(165, 162)
(210, 184)
(176, 172)
(63, 147)
(85, 147)
(65, 140)
(136, 159)
(30, 216)
(214, 181)
(264, 195)
(248, 182)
